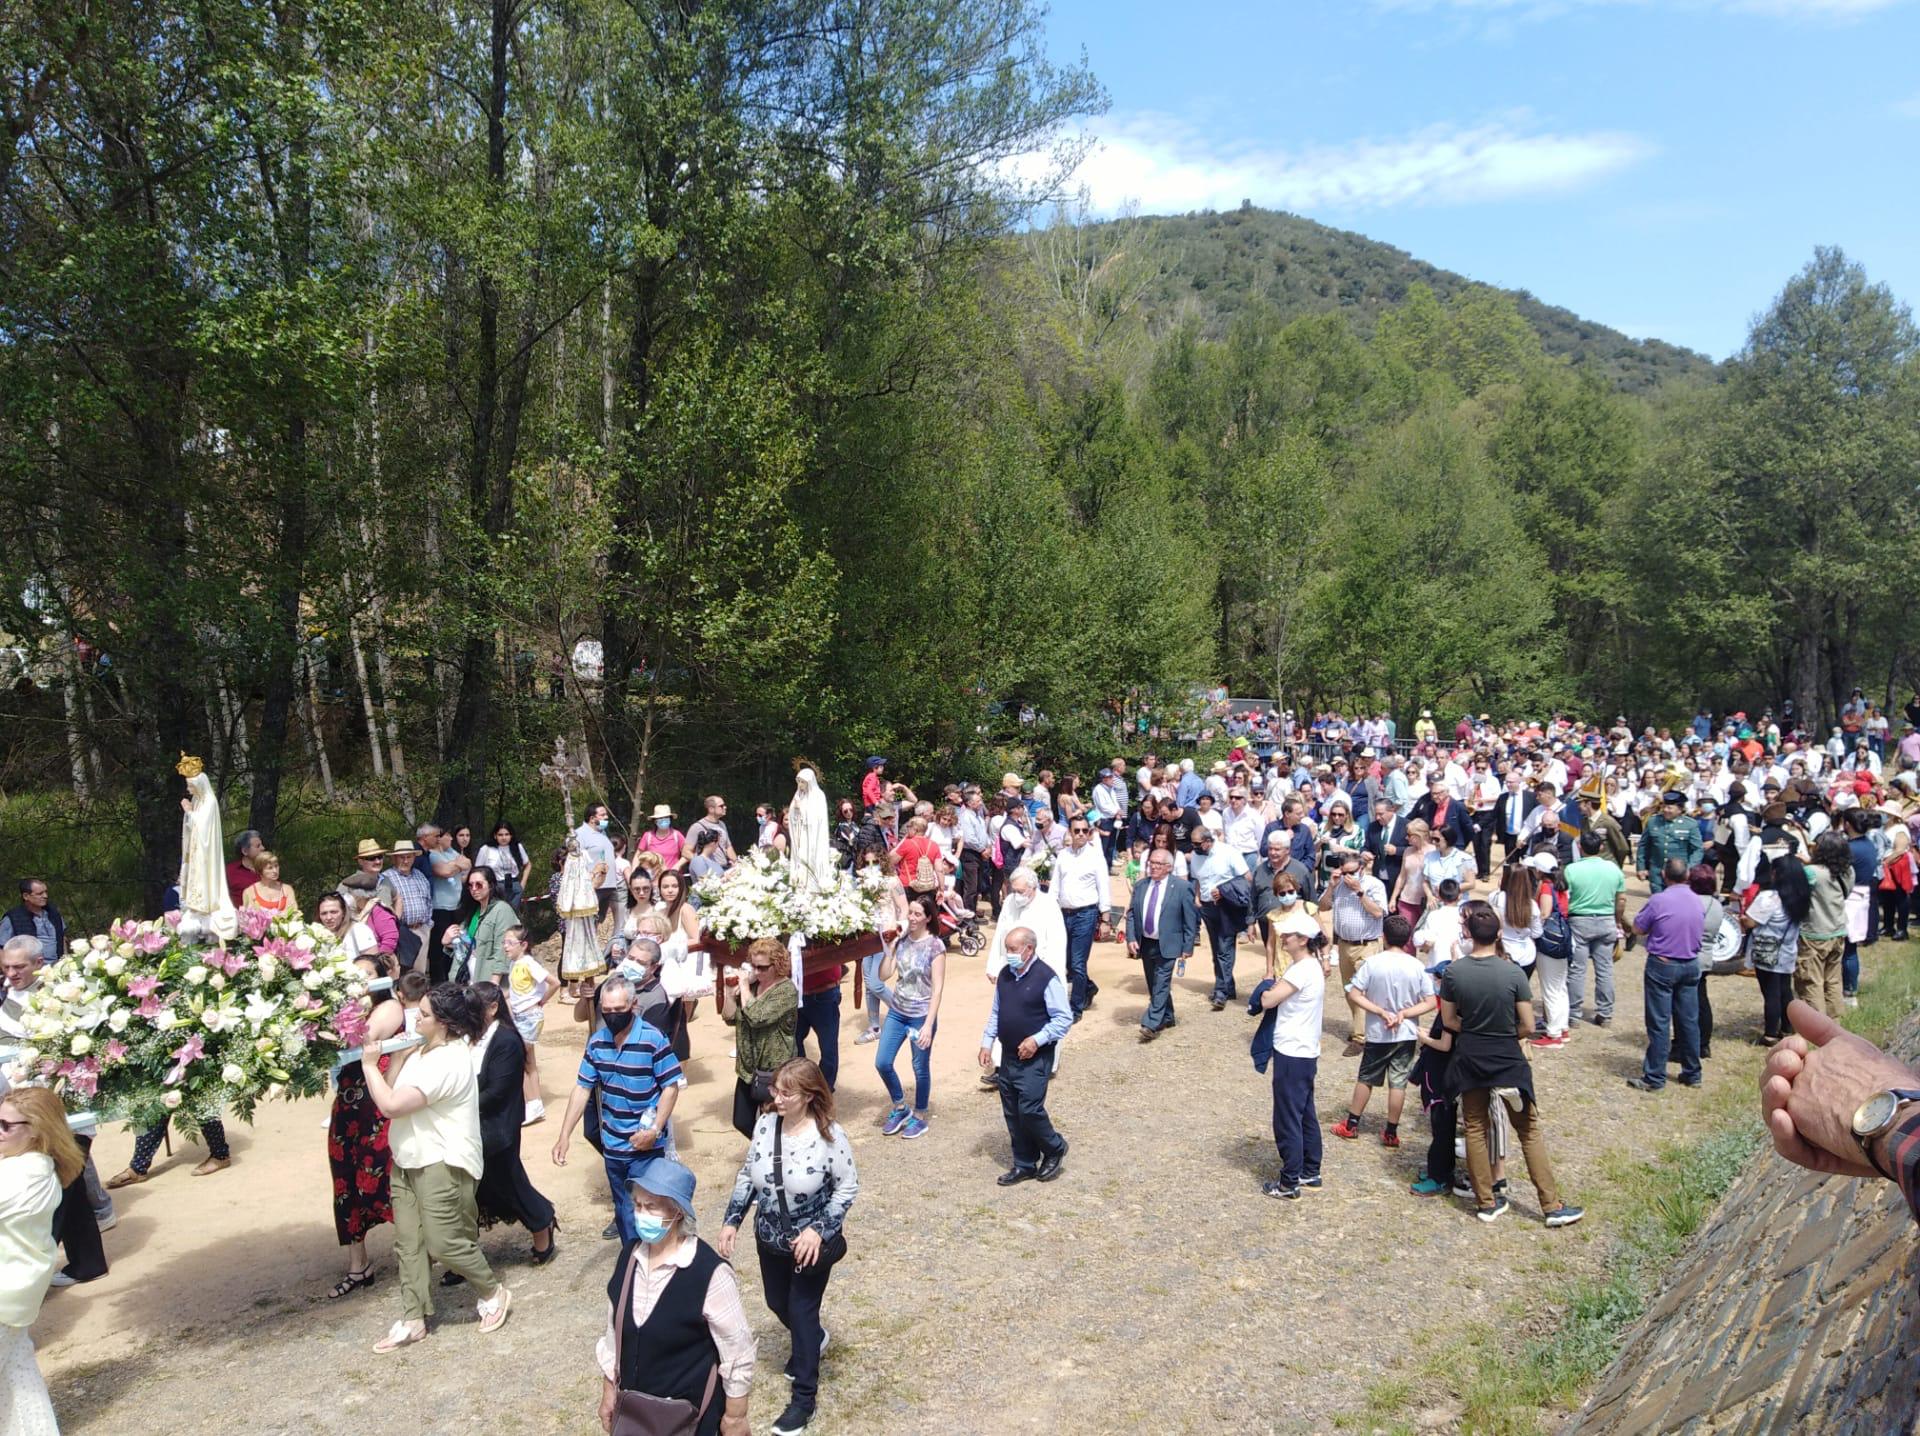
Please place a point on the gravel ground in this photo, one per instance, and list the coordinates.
(1151, 1288)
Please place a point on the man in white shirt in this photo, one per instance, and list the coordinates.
(1221, 888)
(592, 836)
(1359, 902)
(1081, 876)
(1394, 990)
(1109, 809)
(1242, 825)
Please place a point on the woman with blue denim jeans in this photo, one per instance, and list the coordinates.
(889, 920)
(916, 971)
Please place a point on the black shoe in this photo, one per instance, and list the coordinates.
(1050, 1164)
(1218, 1003)
(612, 1233)
(1641, 1084)
(1280, 1189)
(1170, 1022)
(452, 1278)
(1147, 1034)
(1315, 1181)
(1705, 1053)
(1601, 1021)
(1681, 1081)
(793, 1420)
(1014, 1176)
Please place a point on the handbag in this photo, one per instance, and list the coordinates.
(830, 1251)
(634, 1412)
(760, 1089)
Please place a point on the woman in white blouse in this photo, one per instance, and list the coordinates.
(432, 1103)
(799, 1174)
(38, 1157)
(507, 856)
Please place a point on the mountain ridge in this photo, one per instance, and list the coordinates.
(1222, 259)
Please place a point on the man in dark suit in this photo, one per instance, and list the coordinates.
(1162, 926)
(1438, 808)
(1388, 844)
(1510, 812)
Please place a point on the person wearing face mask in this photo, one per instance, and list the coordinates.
(1029, 1015)
(432, 1105)
(630, 1067)
(598, 848)
(662, 839)
(677, 1353)
(800, 1180)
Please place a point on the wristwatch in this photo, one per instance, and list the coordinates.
(1876, 1116)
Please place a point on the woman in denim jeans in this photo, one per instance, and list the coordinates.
(916, 970)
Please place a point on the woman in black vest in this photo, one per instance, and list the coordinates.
(677, 1336)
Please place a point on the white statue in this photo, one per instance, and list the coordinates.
(206, 907)
(809, 848)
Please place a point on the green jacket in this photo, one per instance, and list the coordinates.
(765, 1029)
(1667, 838)
(490, 960)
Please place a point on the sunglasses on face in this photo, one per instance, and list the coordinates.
(6, 1126)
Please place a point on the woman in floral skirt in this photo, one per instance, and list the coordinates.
(357, 1143)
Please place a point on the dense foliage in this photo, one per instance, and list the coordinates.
(386, 392)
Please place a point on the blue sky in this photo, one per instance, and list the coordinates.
(1663, 166)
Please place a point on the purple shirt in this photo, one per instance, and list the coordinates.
(1673, 920)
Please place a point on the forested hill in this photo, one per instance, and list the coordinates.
(1221, 261)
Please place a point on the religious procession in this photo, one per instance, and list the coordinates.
(1446, 913)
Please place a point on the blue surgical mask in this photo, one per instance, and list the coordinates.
(1289, 899)
(650, 1229)
(601, 825)
(663, 822)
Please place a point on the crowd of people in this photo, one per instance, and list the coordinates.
(1460, 891)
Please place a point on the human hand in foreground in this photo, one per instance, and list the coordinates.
(1812, 1085)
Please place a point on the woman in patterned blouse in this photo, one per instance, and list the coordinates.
(799, 1173)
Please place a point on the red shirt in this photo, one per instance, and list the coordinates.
(871, 791)
(240, 877)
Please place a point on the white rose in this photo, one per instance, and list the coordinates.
(98, 942)
(264, 1044)
(304, 942)
(165, 1020)
(196, 975)
(124, 950)
(114, 966)
(171, 1100)
(313, 978)
(232, 1075)
(81, 1044)
(268, 968)
(118, 1021)
(79, 949)
(217, 981)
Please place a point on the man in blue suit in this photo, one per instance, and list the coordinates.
(1162, 926)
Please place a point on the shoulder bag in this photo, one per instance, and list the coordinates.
(830, 1251)
(634, 1412)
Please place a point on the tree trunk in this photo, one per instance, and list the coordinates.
(366, 696)
(316, 739)
(76, 748)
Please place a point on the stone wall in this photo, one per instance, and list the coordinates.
(1796, 1309)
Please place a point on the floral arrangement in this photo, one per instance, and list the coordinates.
(140, 1025)
(1040, 858)
(756, 898)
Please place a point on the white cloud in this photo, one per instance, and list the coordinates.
(1164, 166)
(1907, 109)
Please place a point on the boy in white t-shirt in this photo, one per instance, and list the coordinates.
(529, 988)
(1393, 989)
(1437, 942)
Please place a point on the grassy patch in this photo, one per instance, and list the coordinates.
(1506, 1388)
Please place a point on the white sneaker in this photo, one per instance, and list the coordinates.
(536, 1109)
(60, 1278)
(1853, 1002)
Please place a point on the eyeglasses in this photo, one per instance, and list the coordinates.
(763, 967)
(6, 1126)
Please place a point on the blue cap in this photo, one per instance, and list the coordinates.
(665, 1178)
(875, 761)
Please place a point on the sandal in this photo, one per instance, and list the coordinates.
(350, 1283)
(493, 1311)
(127, 1178)
(212, 1165)
(541, 1258)
(400, 1334)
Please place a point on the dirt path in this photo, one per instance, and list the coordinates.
(1151, 1288)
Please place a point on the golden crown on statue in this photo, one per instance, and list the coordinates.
(189, 766)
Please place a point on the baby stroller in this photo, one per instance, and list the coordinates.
(959, 925)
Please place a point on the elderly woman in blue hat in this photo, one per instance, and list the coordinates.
(677, 1348)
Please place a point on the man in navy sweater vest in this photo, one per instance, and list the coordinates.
(1029, 1014)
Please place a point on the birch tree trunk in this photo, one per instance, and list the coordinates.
(366, 697)
(316, 740)
(76, 747)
